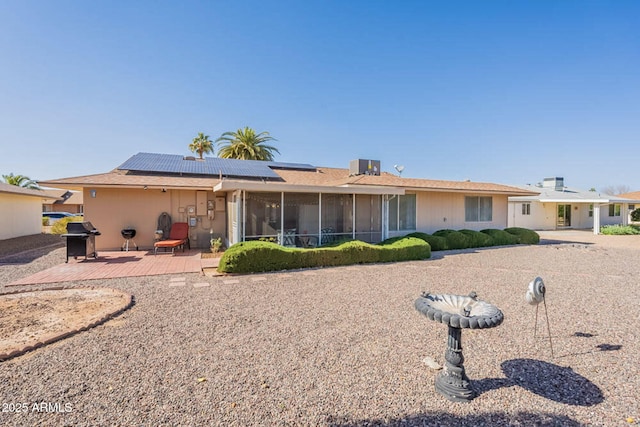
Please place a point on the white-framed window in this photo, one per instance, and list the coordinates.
(526, 209)
(614, 209)
(478, 208)
(402, 213)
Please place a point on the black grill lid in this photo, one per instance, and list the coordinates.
(81, 227)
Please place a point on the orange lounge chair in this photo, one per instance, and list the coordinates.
(178, 237)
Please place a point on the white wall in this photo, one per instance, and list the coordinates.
(20, 215)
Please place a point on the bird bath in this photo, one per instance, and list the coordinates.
(457, 312)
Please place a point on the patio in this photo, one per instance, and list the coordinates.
(117, 264)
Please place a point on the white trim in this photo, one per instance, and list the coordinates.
(229, 185)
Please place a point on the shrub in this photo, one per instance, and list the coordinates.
(254, 256)
(477, 239)
(437, 243)
(60, 226)
(618, 230)
(257, 256)
(501, 237)
(45, 221)
(635, 215)
(525, 236)
(455, 239)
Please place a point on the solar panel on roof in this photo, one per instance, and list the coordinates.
(174, 163)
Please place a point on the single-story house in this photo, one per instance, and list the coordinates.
(294, 204)
(20, 211)
(557, 207)
(634, 195)
(63, 201)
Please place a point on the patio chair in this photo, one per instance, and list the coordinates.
(178, 237)
(289, 239)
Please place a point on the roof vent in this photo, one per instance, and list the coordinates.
(364, 167)
(188, 158)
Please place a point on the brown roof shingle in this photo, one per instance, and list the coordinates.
(321, 176)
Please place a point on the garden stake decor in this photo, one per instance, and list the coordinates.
(457, 312)
(534, 296)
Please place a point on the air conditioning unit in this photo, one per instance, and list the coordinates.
(364, 167)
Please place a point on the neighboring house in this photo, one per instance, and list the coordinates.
(20, 211)
(558, 207)
(635, 205)
(63, 201)
(290, 203)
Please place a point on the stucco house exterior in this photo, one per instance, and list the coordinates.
(20, 211)
(558, 207)
(294, 204)
(634, 195)
(58, 200)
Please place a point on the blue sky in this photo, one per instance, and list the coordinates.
(494, 91)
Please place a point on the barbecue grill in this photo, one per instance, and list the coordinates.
(128, 234)
(81, 239)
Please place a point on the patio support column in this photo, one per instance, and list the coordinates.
(353, 219)
(319, 219)
(596, 218)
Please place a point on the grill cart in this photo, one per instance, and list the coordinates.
(81, 240)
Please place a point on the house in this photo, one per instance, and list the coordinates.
(633, 196)
(294, 204)
(20, 211)
(558, 207)
(58, 200)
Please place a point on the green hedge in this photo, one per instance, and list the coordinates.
(454, 239)
(501, 237)
(437, 243)
(257, 256)
(618, 230)
(477, 239)
(525, 236)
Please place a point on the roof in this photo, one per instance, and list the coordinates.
(65, 197)
(635, 195)
(568, 195)
(14, 189)
(169, 172)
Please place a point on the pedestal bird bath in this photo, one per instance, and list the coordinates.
(457, 312)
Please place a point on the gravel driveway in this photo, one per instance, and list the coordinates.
(344, 346)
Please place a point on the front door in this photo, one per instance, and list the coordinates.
(564, 216)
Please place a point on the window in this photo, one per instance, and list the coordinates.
(402, 213)
(614, 210)
(478, 209)
(591, 210)
(526, 209)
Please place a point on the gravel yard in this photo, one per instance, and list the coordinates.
(344, 346)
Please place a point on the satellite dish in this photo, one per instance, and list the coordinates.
(535, 292)
(399, 168)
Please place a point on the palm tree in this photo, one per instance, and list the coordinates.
(21, 181)
(201, 144)
(245, 144)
